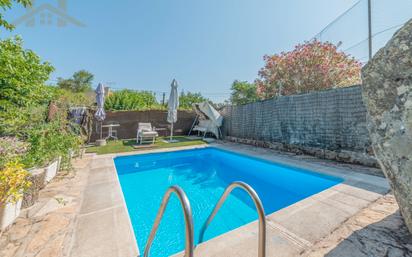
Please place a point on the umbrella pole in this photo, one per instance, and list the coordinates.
(101, 130)
(171, 132)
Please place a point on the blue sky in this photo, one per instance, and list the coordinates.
(205, 45)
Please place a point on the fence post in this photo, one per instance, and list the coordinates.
(370, 28)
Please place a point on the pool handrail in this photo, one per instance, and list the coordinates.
(187, 212)
(259, 207)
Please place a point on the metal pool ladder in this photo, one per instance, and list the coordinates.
(187, 211)
(259, 207)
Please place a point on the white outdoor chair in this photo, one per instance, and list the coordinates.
(146, 133)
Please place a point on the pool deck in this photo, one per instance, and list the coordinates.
(99, 225)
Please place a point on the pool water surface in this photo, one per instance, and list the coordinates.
(204, 174)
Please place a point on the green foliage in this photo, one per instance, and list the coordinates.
(7, 4)
(49, 141)
(24, 99)
(16, 120)
(22, 76)
(186, 100)
(130, 100)
(81, 81)
(67, 98)
(11, 149)
(243, 92)
(23, 94)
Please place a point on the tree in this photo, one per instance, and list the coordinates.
(186, 100)
(243, 92)
(313, 65)
(81, 81)
(22, 76)
(22, 85)
(7, 4)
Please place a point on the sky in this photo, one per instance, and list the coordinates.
(145, 44)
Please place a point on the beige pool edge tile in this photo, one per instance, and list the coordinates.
(243, 242)
(315, 217)
(103, 227)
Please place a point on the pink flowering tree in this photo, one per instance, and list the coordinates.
(311, 66)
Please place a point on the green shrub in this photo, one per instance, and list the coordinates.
(16, 120)
(11, 149)
(66, 98)
(130, 100)
(49, 141)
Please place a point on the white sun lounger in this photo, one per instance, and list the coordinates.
(145, 133)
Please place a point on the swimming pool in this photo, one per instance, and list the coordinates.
(204, 174)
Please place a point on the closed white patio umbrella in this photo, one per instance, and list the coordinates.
(100, 114)
(172, 106)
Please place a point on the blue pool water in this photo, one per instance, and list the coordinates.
(204, 174)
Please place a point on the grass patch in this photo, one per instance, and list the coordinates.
(122, 146)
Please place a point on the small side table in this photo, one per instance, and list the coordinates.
(110, 127)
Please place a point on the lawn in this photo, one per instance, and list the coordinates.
(121, 146)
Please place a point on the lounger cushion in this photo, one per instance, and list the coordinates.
(148, 133)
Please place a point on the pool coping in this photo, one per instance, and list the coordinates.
(104, 166)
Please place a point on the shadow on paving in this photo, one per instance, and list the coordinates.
(386, 238)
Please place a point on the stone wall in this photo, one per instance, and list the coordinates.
(329, 124)
(129, 120)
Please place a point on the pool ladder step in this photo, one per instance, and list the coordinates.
(187, 212)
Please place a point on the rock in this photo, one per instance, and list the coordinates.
(387, 93)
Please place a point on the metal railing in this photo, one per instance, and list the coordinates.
(187, 211)
(259, 208)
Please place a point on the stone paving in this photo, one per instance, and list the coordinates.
(46, 228)
(83, 215)
(376, 231)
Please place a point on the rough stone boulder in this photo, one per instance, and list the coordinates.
(387, 93)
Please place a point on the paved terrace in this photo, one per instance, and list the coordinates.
(83, 214)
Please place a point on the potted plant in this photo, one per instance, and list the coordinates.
(13, 183)
(51, 169)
